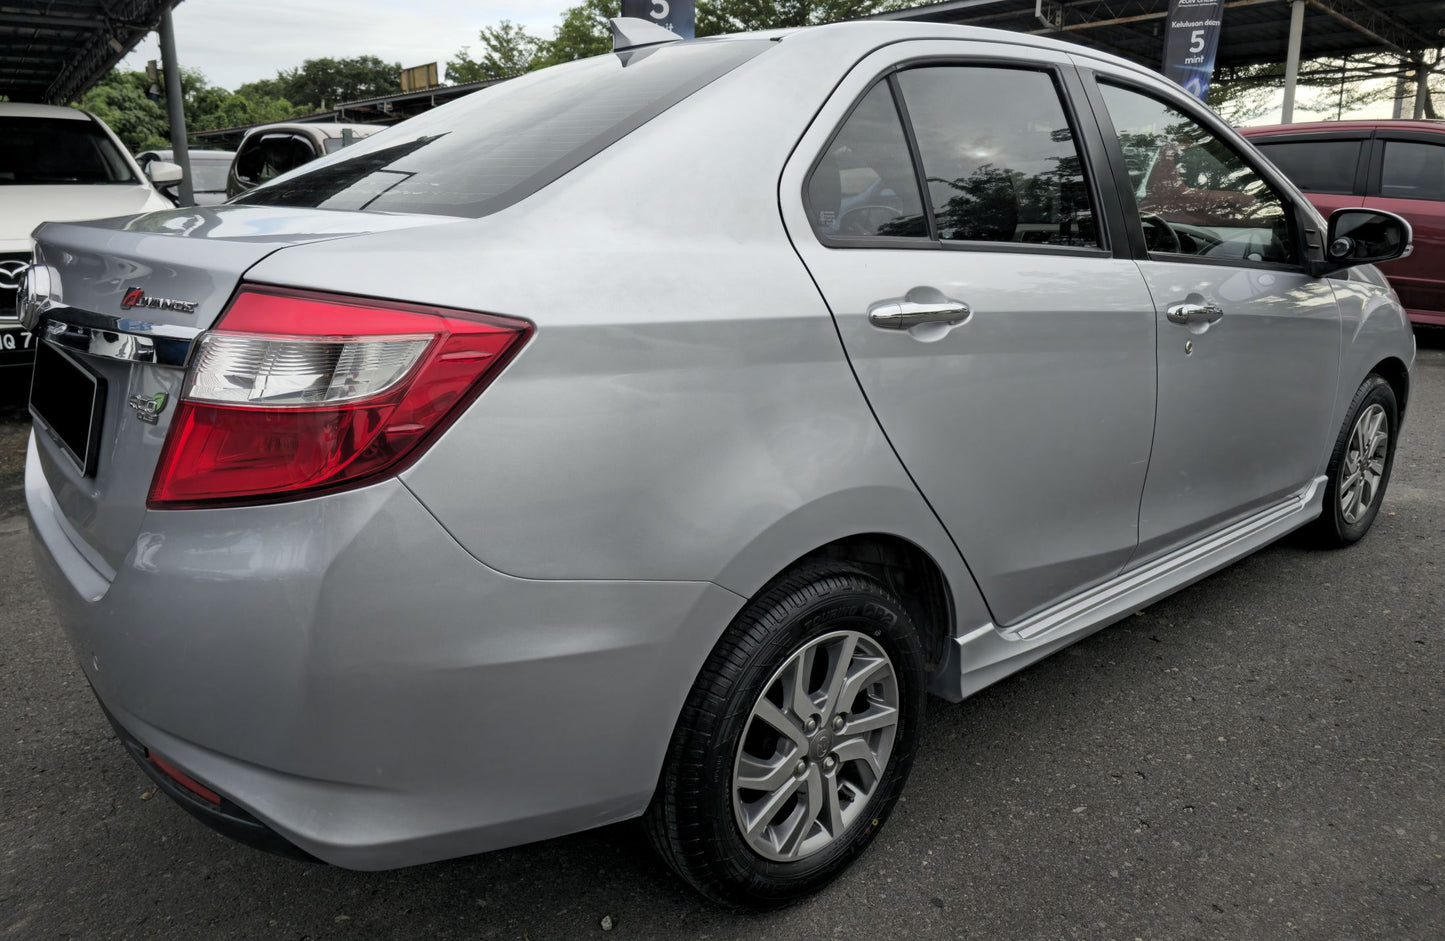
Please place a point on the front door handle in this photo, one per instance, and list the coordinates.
(1185, 314)
(902, 313)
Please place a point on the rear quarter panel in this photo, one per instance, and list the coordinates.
(684, 410)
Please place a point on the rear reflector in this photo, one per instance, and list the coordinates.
(296, 394)
(183, 779)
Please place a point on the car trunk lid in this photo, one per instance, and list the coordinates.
(124, 301)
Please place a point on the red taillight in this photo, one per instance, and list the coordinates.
(295, 394)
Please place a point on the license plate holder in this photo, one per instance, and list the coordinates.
(68, 400)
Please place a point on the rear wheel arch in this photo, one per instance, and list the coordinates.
(909, 572)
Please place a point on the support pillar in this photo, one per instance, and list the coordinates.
(176, 107)
(1422, 88)
(1291, 61)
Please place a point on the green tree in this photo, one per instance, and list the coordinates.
(583, 32)
(120, 101)
(736, 16)
(508, 50)
(1342, 86)
(322, 83)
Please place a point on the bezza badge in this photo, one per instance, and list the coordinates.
(135, 297)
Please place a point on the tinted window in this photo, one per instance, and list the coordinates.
(999, 156)
(1196, 195)
(1413, 171)
(864, 185)
(267, 156)
(58, 151)
(498, 145)
(1316, 166)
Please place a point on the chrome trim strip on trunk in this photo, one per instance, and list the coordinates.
(118, 338)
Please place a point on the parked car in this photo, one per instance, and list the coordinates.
(629, 440)
(269, 151)
(1398, 166)
(210, 167)
(56, 164)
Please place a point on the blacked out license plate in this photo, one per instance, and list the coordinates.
(68, 399)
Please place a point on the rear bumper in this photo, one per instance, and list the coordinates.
(343, 673)
(224, 816)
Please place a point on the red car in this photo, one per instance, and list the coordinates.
(1398, 166)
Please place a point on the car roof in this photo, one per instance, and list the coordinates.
(865, 35)
(16, 109)
(1316, 127)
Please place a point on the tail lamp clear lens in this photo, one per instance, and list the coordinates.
(296, 394)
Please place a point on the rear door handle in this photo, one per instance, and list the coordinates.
(1186, 314)
(902, 313)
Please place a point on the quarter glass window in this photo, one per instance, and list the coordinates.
(864, 185)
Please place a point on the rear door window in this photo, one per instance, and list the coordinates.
(999, 156)
(1316, 166)
(1413, 170)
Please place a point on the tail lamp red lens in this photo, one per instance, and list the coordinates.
(296, 394)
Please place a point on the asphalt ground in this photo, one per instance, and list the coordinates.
(1259, 756)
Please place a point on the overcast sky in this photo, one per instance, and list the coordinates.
(237, 41)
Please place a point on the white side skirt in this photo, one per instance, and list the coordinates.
(987, 654)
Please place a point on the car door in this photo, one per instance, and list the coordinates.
(1005, 346)
(1249, 342)
(1407, 176)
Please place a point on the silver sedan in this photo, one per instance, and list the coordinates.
(647, 436)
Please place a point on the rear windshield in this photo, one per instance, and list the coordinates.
(43, 151)
(503, 143)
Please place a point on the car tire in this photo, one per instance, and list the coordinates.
(803, 625)
(1360, 465)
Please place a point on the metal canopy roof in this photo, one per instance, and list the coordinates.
(51, 51)
(1253, 32)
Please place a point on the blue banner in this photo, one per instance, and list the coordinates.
(680, 16)
(1191, 37)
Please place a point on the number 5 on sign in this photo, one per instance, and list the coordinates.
(677, 15)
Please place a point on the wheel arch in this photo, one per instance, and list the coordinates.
(1397, 374)
(910, 573)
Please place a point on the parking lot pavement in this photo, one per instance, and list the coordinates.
(1259, 756)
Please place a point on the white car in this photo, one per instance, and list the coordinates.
(58, 165)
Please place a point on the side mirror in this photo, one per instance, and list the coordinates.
(1366, 237)
(162, 172)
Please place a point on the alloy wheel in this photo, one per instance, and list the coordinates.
(1364, 464)
(815, 746)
